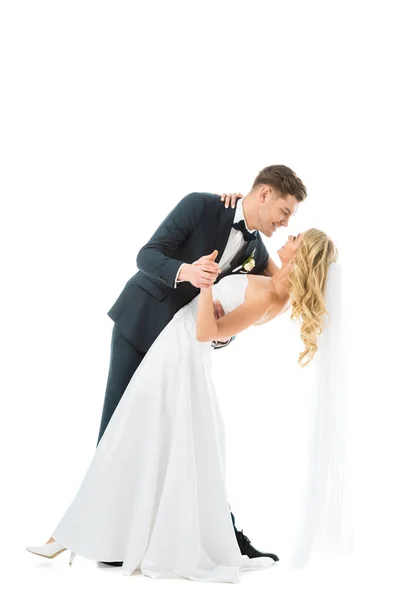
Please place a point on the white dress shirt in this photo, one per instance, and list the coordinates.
(235, 241)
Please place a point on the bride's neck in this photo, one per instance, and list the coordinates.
(280, 280)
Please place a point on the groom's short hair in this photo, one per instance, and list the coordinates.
(283, 179)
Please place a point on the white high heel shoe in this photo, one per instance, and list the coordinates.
(50, 550)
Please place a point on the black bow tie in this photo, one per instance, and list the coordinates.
(246, 233)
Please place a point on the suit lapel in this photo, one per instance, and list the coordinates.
(225, 220)
(239, 258)
(245, 253)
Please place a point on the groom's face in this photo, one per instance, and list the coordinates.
(274, 211)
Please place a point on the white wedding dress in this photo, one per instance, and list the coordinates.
(154, 495)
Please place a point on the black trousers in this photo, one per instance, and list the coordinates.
(124, 360)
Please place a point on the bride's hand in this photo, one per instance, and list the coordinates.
(230, 199)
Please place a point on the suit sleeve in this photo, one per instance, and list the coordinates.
(155, 259)
(265, 257)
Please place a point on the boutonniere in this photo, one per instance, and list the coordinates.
(249, 263)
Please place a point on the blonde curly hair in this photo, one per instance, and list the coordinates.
(307, 287)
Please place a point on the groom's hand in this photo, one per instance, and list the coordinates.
(202, 273)
(230, 199)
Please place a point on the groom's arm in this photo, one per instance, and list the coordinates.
(155, 259)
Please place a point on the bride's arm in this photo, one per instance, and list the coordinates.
(208, 328)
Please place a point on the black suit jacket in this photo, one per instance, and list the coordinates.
(197, 225)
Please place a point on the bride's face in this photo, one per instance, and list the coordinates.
(289, 250)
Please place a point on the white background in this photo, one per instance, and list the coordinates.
(110, 113)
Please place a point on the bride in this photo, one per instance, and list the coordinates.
(154, 495)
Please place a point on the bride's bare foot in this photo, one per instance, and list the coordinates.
(50, 540)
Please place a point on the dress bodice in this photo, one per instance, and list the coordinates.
(230, 291)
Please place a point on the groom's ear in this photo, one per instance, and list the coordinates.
(265, 193)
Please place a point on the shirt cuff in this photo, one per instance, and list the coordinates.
(176, 278)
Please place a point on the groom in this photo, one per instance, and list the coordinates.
(175, 264)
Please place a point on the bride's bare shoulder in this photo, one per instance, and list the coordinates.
(261, 287)
(260, 284)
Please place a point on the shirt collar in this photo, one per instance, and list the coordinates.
(239, 214)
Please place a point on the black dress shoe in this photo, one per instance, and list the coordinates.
(246, 547)
(113, 564)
